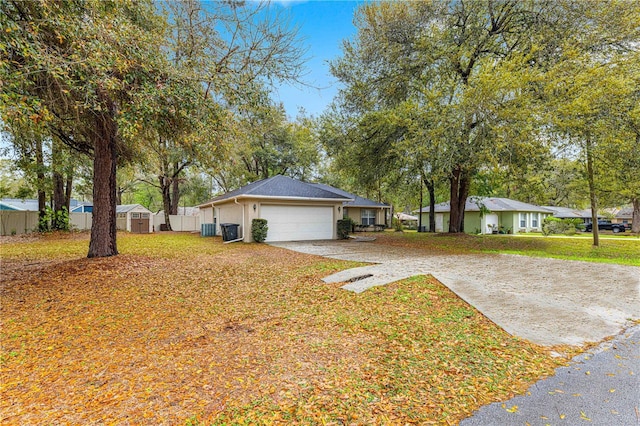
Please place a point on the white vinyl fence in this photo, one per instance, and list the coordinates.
(23, 222)
(18, 222)
(80, 221)
(178, 222)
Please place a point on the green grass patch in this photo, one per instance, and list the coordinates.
(623, 251)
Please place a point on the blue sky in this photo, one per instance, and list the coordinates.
(323, 24)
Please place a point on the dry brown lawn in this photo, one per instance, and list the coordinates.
(180, 329)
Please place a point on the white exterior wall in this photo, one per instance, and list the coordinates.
(243, 213)
(206, 214)
(230, 213)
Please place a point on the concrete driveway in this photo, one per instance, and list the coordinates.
(546, 301)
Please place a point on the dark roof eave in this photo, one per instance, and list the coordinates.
(273, 197)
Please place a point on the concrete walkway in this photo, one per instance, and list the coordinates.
(546, 301)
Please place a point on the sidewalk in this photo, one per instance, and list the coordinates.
(600, 387)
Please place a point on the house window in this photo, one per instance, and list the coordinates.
(135, 215)
(523, 220)
(368, 217)
(345, 213)
(534, 220)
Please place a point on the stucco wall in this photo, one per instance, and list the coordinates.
(230, 213)
(355, 213)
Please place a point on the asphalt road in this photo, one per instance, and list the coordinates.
(600, 387)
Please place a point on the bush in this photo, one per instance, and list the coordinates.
(554, 225)
(259, 230)
(344, 228)
(52, 219)
(397, 224)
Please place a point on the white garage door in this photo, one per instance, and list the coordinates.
(298, 223)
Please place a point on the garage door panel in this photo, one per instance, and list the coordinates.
(292, 223)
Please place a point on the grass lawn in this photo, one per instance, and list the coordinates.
(620, 249)
(180, 329)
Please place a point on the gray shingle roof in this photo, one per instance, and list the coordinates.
(29, 204)
(281, 187)
(494, 204)
(625, 213)
(357, 200)
(568, 213)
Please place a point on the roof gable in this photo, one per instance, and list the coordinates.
(281, 187)
(124, 208)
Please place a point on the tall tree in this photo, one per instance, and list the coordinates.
(77, 66)
(592, 84)
(230, 50)
(464, 65)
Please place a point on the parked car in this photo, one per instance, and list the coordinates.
(605, 225)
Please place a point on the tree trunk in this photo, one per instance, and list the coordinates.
(103, 228)
(67, 190)
(42, 195)
(165, 188)
(175, 192)
(459, 191)
(431, 187)
(58, 200)
(592, 192)
(635, 221)
(420, 211)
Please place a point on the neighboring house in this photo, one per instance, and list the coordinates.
(32, 205)
(569, 213)
(16, 204)
(498, 215)
(294, 210)
(82, 208)
(134, 218)
(407, 220)
(364, 212)
(625, 216)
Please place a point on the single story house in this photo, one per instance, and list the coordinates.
(16, 204)
(364, 212)
(407, 220)
(82, 207)
(490, 215)
(32, 205)
(569, 213)
(625, 215)
(134, 218)
(294, 210)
